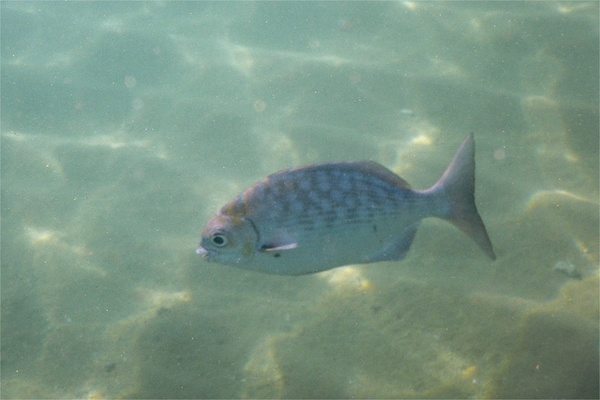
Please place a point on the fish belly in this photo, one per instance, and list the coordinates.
(380, 239)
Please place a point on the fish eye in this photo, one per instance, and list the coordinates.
(219, 240)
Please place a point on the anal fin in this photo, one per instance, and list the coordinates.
(396, 250)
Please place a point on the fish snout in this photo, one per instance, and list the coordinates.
(202, 252)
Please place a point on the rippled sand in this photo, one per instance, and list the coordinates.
(126, 125)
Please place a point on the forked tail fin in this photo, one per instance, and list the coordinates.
(457, 186)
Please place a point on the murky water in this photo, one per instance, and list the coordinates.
(125, 125)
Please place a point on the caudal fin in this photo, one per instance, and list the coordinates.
(457, 186)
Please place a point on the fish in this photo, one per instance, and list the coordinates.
(317, 217)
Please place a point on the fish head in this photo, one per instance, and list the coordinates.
(228, 239)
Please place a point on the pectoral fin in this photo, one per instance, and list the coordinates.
(274, 247)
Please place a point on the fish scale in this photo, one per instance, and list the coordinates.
(317, 217)
(322, 200)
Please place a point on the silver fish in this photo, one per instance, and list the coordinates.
(317, 217)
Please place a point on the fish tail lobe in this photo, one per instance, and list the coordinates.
(457, 187)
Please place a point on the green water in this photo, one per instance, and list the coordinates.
(126, 125)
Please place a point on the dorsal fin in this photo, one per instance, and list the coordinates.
(367, 167)
(376, 169)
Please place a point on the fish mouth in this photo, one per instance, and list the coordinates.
(202, 252)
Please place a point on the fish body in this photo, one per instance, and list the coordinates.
(317, 217)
